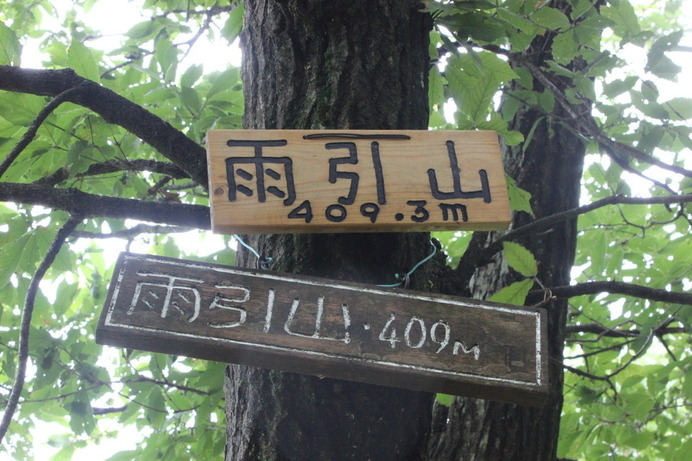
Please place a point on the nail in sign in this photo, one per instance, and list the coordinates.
(320, 327)
(282, 181)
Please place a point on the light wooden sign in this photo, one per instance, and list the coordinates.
(341, 330)
(285, 181)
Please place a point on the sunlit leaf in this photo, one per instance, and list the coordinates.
(10, 48)
(513, 294)
(550, 18)
(520, 259)
(82, 61)
(234, 23)
(444, 399)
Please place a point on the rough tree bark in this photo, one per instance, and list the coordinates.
(363, 64)
(332, 65)
(550, 168)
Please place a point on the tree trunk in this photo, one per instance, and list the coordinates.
(332, 65)
(550, 168)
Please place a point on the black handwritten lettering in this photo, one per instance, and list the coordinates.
(455, 208)
(420, 213)
(379, 175)
(370, 210)
(260, 173)
(336, 213)
(334, 174)
(302, 211)
(457, 191)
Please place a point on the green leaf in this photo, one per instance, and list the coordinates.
(224, 81)
(18, 108)
(79, 157)
(191, 99)
(66, 453)
(524, 77)
(579, 7)
(520, 259)
(474, 25)
(82, 61)
(519, 199)
(156, 412)
(550, 18)
(514, 293)
(11, 257)
(124, 456)
(565, 47)
(638, 439)
(679, 108)
(546, 101)
(512, 137)
(10, 48)
(167, 55)
(617, 87)
(518, 21)
(475, 81)
(191, 75)
(234, 23)
(141, 30)
(435, 88)
(81, 414)
(444, 399)
(624, 19)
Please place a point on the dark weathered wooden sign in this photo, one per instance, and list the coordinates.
(342, 330)
(283, 181)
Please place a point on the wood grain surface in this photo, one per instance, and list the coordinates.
(300, 181)
(314, 326)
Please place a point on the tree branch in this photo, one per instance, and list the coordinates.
(33, 128)
(25, 326)
(588, 126)
(213, 11)
(89, 205)
(105, 411)
(618, 370)
(470, 260)
(114, 166)
(621, 288)
(180, 387)
(549, 221)
(601, 330)
(586, 123)
(170, 142)
(133, 231)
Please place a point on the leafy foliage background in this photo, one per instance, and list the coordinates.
(626, 393)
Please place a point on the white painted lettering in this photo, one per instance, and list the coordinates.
(460, 345)
(219, 301)
(177, 295)
(407, 333)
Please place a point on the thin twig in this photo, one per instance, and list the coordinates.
(133, 231)
(91, 205)
(165, 382)
(105, 411)
(556, 218)
(621, 288)
(114, 166)
(33, 128)
(23, 354)
(472, 260)
(115, 109)
(603, 331)
(589, 127)
(600, 351)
